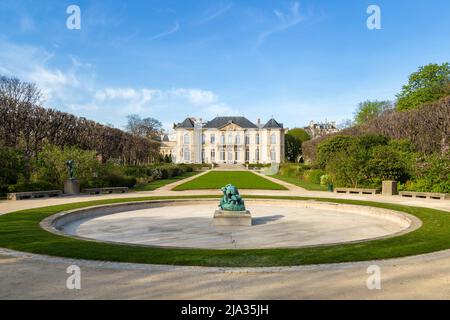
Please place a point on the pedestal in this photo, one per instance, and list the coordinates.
(72, 187)
(389, 188)
(232, 218)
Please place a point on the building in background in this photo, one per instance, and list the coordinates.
(167, 147)
(319, 129)
(228, 140)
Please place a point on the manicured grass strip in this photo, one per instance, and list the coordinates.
(21, 231)
(301, 183)
(160, 183)
(219, 179)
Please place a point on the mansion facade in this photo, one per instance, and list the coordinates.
(226, 140)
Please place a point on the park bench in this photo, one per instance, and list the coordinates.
(33, 194)
(425, 195)
(106, 190)
(356, 191)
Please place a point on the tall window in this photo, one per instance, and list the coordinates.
(187, 154)
(247, 139)
(213, 155)
(257, 154)
(257, 138)
(273, 155)
(230, 138)
(238, 139)
(213, 139)
(247, 154)
(273, 139)
(203, 139)
(230, 155)
(222, 154)
(236, 155)
(222, 139)
(186, 139)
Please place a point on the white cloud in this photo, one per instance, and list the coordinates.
(285, 22)
(74, 88)
(167, 32)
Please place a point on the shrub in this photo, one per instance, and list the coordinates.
(33, 186)
(11, 167)
(313, 175)
(328, 148)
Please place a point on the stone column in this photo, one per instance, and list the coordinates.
(389, 188)
(72, 187)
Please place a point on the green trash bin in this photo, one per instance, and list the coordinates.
(330, 187)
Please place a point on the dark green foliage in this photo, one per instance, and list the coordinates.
(330, 147)
(11, 167)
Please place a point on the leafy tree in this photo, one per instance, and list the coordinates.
(369, 110)
(293, 142)
(300, 134)
(430, 83)
(11, 166)
(292, 147)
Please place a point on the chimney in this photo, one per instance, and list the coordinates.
(258, 121)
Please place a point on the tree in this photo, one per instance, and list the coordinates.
(149, 128)
(19, 91)
(430, 83)
(293, 142)
(369, 110)
(292, 147)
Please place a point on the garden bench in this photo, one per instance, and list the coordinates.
(356, 191)
(425, 195)
(106, 190)
(33, 194)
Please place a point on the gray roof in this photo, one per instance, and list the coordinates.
(272, 123)
(219, 122)
(187, 123)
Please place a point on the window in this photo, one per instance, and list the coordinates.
(273, 139)
(222, 139)
(238, 139)
(187, 154)
(186, 139)
(203, 139)
(273, 155)
(257, 155)
(230, 155)
(247, 139)
(257, 138)
(230, 139)
(213, 139)
(222, 154)
(236, 155)
(247, 155)
(213, 155)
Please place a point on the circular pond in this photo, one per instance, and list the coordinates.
(276, 224)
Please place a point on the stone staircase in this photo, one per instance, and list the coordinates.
(228, 166)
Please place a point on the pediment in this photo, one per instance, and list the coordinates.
(231, 127)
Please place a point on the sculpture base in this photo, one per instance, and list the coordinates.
(232, 218)
(72, 187)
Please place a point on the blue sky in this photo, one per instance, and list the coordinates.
(295, 60)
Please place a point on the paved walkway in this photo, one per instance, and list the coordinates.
(27, 276)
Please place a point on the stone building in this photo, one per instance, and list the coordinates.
(319, 129)
(228, 140)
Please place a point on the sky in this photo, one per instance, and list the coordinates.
(294, 60)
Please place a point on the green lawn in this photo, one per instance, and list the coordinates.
(301, 183)
(160, 183)
(219, 179)
(21, 231)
